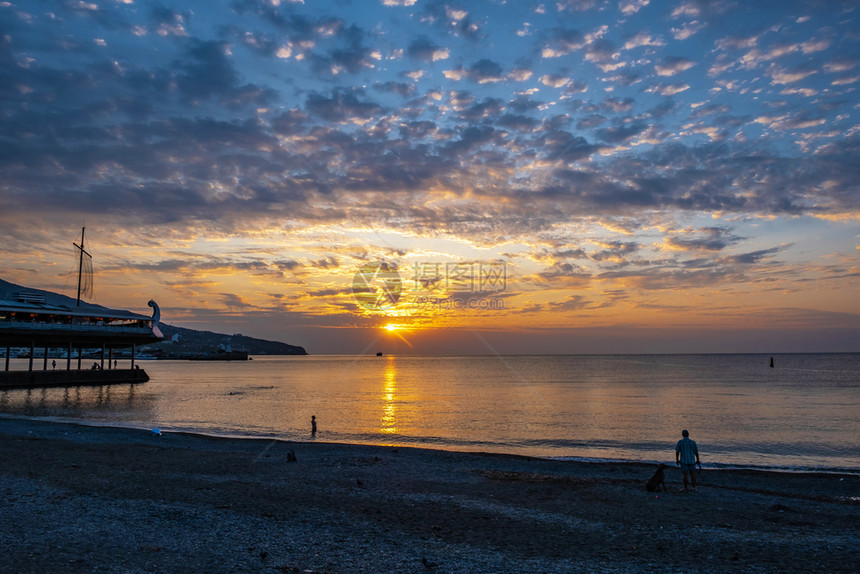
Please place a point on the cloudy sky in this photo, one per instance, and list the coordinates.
(559, 176)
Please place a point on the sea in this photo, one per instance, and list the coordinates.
(801, 414)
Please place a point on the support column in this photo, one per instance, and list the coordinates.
(110, 357)
(79, 358)
(45, 364)
(32, 352)
(133, 351)
(69, 357)
(8, 351)
(102, 365)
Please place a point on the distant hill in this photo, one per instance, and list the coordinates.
(189, 341)
(179, 342)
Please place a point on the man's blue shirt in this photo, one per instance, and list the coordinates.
(688, 450)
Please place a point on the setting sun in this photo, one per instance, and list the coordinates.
(396, 330)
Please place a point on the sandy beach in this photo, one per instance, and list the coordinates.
(96, 499)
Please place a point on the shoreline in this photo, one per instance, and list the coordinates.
(81, 498)
(708, 466)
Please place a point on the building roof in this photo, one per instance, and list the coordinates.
(95, 333)
(18, 299)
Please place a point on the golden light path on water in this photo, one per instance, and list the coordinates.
(389, 390)
(389, 399)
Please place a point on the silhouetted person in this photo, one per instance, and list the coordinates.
(53, 363)
(687, 457)
(313, 425)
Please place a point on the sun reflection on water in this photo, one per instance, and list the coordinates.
(389, 398)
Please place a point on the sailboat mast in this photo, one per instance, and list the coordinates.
(81, 264)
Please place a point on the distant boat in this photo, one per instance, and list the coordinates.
(378, 353)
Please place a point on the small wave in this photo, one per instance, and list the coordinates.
(721, 465)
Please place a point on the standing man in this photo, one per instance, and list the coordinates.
(313, 425)
(687, 457)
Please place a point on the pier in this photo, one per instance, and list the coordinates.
(71, 378)
(85, 336)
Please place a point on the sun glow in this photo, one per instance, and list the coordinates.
(395, 329)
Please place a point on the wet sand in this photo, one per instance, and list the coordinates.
(95, 499)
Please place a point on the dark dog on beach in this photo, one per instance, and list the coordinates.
(655, 482)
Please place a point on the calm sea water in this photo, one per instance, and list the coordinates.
(803, 413)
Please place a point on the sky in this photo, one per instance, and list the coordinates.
(570, 176)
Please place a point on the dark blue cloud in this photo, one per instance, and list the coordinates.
(401, 88)
(422, 48)
(351, 54)
(621, 132)
(707, 239)
(342, 105)
(445, 15)
(204, 70)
